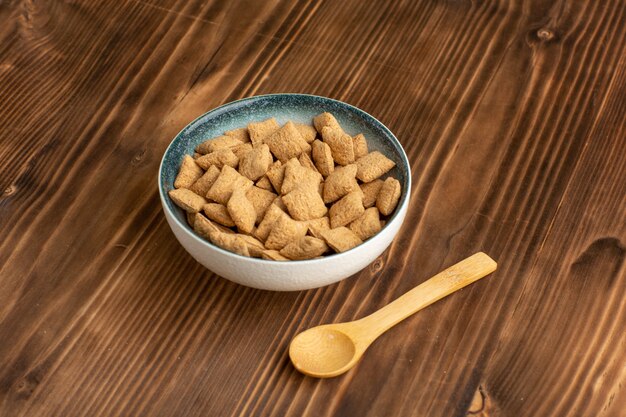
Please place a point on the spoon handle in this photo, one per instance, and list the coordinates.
(444, 283)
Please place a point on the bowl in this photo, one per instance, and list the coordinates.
(276, 275)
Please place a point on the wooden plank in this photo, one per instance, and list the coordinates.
(91, 173)
(560, 352)
(453, 160)
(512, 117)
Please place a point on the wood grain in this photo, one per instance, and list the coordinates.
(511, 112)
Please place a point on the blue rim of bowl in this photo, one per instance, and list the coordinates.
(406, 186)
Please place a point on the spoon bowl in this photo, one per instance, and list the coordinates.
(323, 351)
(332, 349)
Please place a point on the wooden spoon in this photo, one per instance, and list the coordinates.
(332, 349)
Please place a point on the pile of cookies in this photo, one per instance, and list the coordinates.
(286, 192)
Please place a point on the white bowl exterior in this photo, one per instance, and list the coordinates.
(286, 276)
(292, 275)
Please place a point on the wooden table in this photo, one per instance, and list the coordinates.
(512, 114)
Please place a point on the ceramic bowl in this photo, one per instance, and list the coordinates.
(273, 275)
